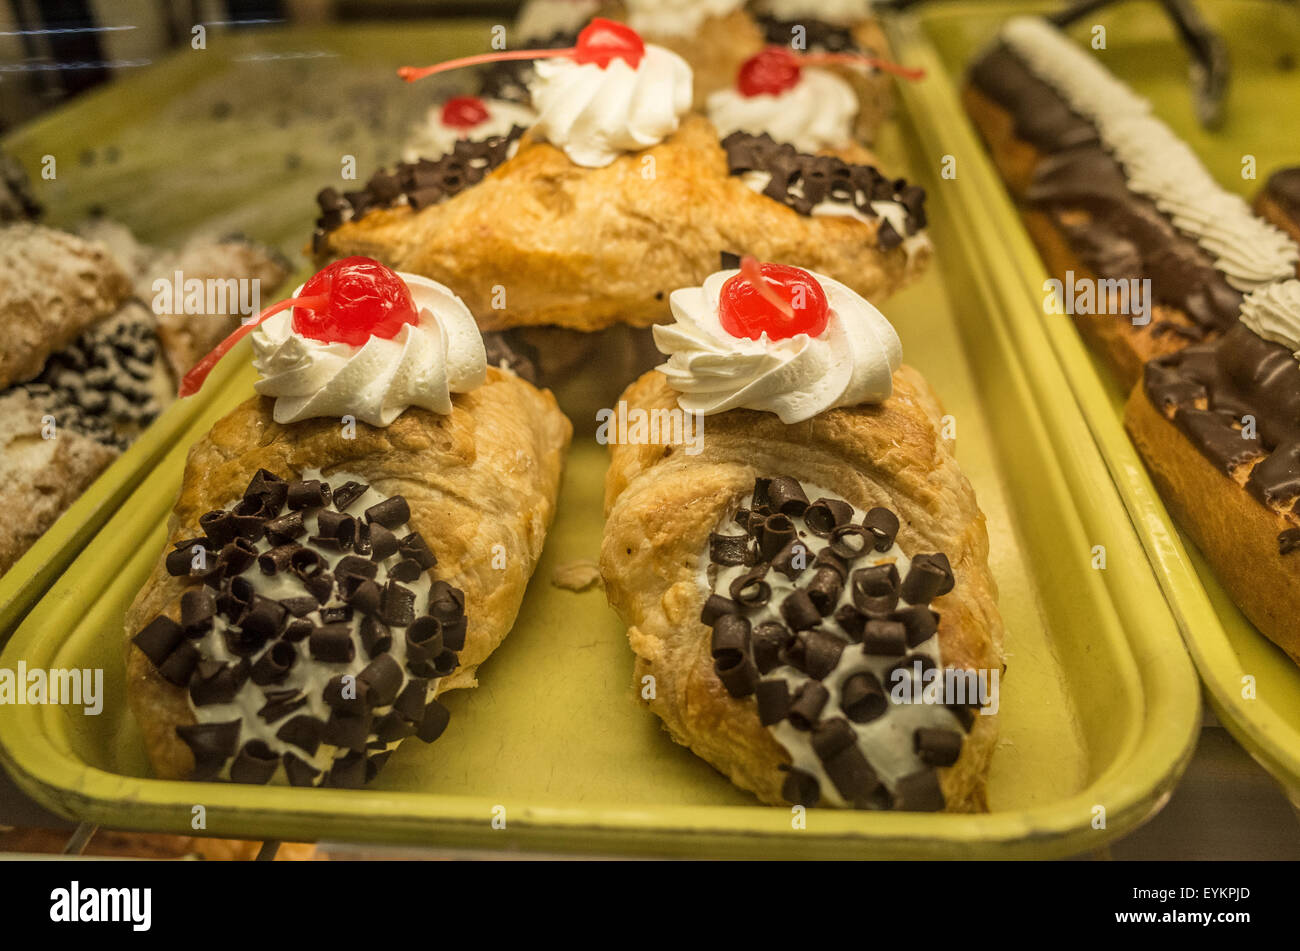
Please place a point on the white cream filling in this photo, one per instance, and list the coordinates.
(307, 674)
(887, 740)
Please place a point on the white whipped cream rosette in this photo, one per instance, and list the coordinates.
(675, 17)
(1273, 312)
(851, 362)
(423, 365)
(596, 113)
(816, 113)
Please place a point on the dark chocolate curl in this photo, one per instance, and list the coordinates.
(384, 675)
(851, 621)
(884, 639)
(273, 666)
(347, 694)
(862, 698)
(410, 702)
(737, 673)
(760, 497)
(391, 513)
(304, 732)
(808, 705)
(332, 643)
(821, 653)
(730, 635)
(728, 549)
(397, 605)
(883, 526)
(375, 636)
(850, 541)
(255, 763)
(828, 559)
(405, 570)
(792, 559)
(800, 788)
(825, 515)
(786, 495)
(211, 743)
(312, 494)
(392, 726)
(773, 698)
(920, 623)
(436, 718)
(347, 731)
(920, 792)
(799, 612)
(824, 589)
(218, 526)
(776, 532)
(715, 606)
(383, 543)
(413, 546)
(347, 772)
(277, 559)
(159, 638)
(831, 737)
(348, 493)
(216, 682)
(875, 589)
(937, 747)
(769, 640)
(179, 665)
(280, 703)
(299, 771)
(929, 577)
(286, 528)
(750, 589)
(264, 617)
(364, 596)
(854, 779)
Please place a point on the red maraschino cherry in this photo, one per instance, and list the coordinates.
(600, 42)
(774, 299)
(777, 69)
(348, 302)
(464, 112)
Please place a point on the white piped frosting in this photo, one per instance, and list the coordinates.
(433, 138)
(839, 12)
(1248, 251)
(851, 362)
(421, 366)
(675, 17)
(597, 113)
(1273, 313)
(816, 113)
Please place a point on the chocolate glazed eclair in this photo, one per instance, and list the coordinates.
(347, 546)
(796, 580)
(1110, 194)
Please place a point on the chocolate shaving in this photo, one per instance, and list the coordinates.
(332, 644)
(775, 534)
(180, 664)
(1288, 541)
(277, 559)
(819, 654)
(799, 611)
(884, 638)
(808, 705)
(159, 638)
(347, 694)
(920, 622)
(825, 515)
(786, 495)
(384, 677)
(348, 493)
(850, 541)
(211, 743)
(929, 577)
(937, 747)
(423, 639)
(397, 604)
(375, 636)
(875, 589)
(920, 792)
(824, 589)
(715, 605)
(282, 530)
(737, 672)
(750, 590)
(436, 718)
(310, 494)
(414, 547)
(392, 726)
(800, 788)
(347, 731)
(299, 771)
(347, 772)
(862, 697)
(773, 698)
(217, 682)
(769, 641)
(851, 621)
(405, 570)
(273, 666)
(410, 702)
(383, 543)
(883, 526)
(255, 763)
(280, 703)
(392, 512)
(728, 549)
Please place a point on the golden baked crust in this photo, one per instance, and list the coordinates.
(587, 248)
(485, 475)
(661, 504)
(1236, 532)
(54, 286)
(41, 477)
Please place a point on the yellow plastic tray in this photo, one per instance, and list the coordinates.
(1262, 120)
(1100, 704)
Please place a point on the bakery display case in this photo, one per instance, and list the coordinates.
(770, 430)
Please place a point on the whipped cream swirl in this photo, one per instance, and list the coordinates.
(433, 138)
(421, 366)
(675, 17)
(851, 362)
(816, 113)
(1247, 250)
(596, 114)
(1273, 313)
(839, 12)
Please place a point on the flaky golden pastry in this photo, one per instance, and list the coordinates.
(662, 505)
(53, 285)
(486, 475)
(544, 241)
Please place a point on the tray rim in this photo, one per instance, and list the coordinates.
(1266, 735)
(1169, 723)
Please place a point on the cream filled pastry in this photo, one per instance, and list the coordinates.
(809, 592)
(466, 118)
(326, 578)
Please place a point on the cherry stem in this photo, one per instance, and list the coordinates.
(412, 73)
(853, 59)
(193, 380)
(749, 267)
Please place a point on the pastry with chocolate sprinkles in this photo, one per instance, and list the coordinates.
(809, 602)
(531, 216)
